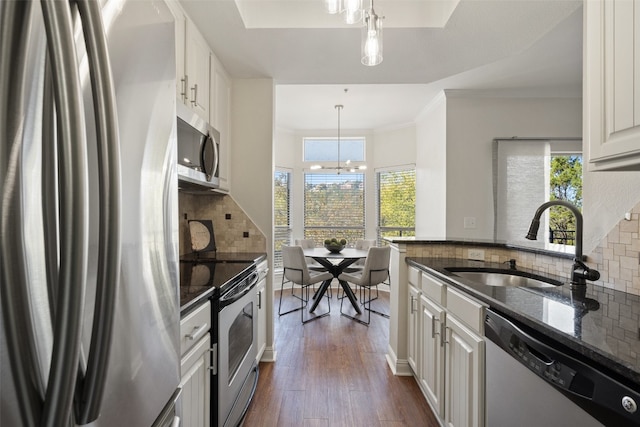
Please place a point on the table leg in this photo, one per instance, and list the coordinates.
(320, 294)
(349, 293)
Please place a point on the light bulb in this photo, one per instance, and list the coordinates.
(333, 6)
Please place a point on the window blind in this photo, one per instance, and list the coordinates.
(334, 206)
(281, 214)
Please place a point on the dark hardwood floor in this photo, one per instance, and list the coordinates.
(333, 372)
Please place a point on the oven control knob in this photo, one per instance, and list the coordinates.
(629, 404)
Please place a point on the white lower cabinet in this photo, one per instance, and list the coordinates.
(450, 358)
(431, 372)
(262, 308)
(464, 378)
(196, 385)
(413, 328)
(195, 366)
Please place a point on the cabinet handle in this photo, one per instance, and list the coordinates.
(197, 332)
(259, 300)
(433, 327)
(443, 336)
(214, 359)
(412, 300)
(194, 90)
(183, 87)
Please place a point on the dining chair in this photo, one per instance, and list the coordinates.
(311, 263)
(296, 272)
(375, 272)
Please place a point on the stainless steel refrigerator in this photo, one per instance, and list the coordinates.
(89, 226)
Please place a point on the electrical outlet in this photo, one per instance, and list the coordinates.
(469, 222)
(477, 254)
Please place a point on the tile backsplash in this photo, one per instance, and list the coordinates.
(233, 229)
(617, 257)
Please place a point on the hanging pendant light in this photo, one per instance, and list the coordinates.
(353, 11)
(371, 38)
(333, 6)
(339, 107)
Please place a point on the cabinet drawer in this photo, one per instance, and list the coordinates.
(466, 309)
(194, 326)
(434, 289)
(414, 277)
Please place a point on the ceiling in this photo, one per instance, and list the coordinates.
(504, 47)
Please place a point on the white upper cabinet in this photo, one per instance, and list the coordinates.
(197, 70)
(612, 84)
(192, 63)
(219, 117)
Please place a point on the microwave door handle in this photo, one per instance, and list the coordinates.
(208, 140)
(216, 154)
(109, 176)
(67, 327)
(15, 21)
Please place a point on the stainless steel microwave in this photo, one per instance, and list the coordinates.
(198, 151)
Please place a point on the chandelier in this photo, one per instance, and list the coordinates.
(347, 164)
(371, 29)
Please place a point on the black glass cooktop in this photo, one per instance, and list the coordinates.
(204, 278)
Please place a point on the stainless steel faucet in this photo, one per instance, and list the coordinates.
(580, 272)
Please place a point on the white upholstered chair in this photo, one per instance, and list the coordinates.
(297, 273)
(311, 263)
(375, 271)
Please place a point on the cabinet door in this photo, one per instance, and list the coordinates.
(464, 377)
(220, 115)
(180, 28)
(611, 80)
(262, 318)
(413, 327)
(196, 385)
(431, 375)
(197, 71)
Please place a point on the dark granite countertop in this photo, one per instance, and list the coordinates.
(603, 325)
(202, 276)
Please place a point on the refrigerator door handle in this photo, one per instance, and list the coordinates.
(91, 390)
(67, 318)
(15, 23)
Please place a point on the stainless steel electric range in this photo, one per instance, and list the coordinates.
(229, 281)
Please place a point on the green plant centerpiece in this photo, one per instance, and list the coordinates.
(334, 245)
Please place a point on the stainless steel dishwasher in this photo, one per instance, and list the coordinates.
(531, 381)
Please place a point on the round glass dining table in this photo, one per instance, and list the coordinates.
(335, 263)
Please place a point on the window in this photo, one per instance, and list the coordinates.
(281, 214)
(334, 206)
(396, 190)
(566, 184)
(326, 149)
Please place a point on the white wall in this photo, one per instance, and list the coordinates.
(252, 167)
(472, 124)
(431, 170)
(394, 147)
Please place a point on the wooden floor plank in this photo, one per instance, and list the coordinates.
(333, 372)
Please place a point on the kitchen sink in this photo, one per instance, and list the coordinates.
(510, 278)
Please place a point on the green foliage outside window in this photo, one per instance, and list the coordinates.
(566, 184)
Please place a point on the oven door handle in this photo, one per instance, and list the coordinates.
(240, 291)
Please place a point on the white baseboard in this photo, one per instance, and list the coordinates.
(399, 367)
